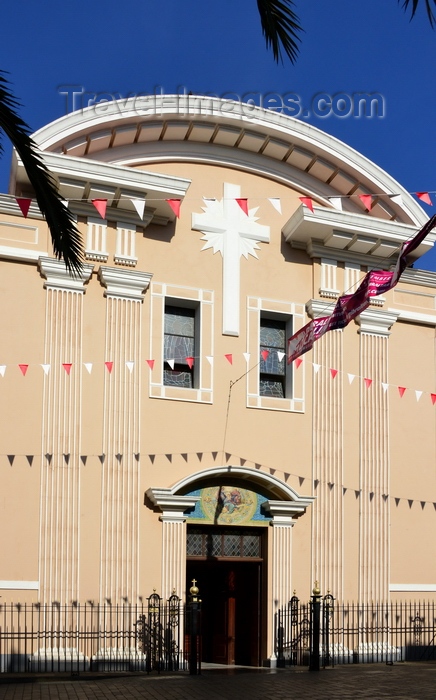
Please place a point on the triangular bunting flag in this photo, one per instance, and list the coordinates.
(228, 455)
(396, 199)
(214, 455)
(102, 457)
(229, 358)
(344, 490)
(385, 386)
(23, 369)
(137, 456)
(118, 457)
(48, 457)
(257, 466)
(24, 204)
(150, 363)
(280, 355)
(368, 382)
(424, 197)
(433, 398)
(264, 354)
(66, 203)
(298, 362)
(286, 475)
(385, 496)
(397, 501)
(190, 362)
(333, 372)
(109, 366)
(301, 480)
(88, 366)
(2, 370)
(83, 459)
(170, 363)
(11, 459)
(357, 493)
(307, 201)
(423, 504)
(336, 202)
(175, 206)
(418, 394)
(243, 203)
(275, 201)
(67, 366)
(315, 483)
(246, 356)
(200, 456)
(30, 459)
(272, 471)
(209, 358)
(401, 390)
(185, 456)
(100, 205)
(152, 457)
(46, 368)
(371, 495)
(316, 367)
(366, 200)
(410, 502)
(139, 205)
(242, 461)
(67, 458)
(351, 377)
(130, 365)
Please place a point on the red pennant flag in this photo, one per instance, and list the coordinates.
(366, 200)
(23, 369)
(24, 204)
(433, 398)
(175, 206)
(109, 366)
(368, 382)
(333, 372)
(100, 205)
(150, 363)
(307, 201)
(67, 366)
(298, 362)
(190, 361)
(229, 358)
(401, 389)
(424, 197)
(243, 203)
(264, 354)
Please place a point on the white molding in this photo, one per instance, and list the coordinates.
(424, 278)
(58, 277)
(412, 587)
(414, 317)
(124, 284)
(21, 254)
(374, 322)
(171, 505)
(19, 585)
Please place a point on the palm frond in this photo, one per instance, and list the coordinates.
(65, 237)
(280, 27)
(430, 6)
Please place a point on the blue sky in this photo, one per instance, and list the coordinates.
(131, 47)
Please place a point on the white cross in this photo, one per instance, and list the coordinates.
(229, 230)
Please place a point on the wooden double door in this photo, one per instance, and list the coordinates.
(231, 594)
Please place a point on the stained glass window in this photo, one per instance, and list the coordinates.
(208, 542)
(179, 344)
(272, 379)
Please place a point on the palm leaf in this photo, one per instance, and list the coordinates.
(65, 237)
(280, 27)
(429, 5)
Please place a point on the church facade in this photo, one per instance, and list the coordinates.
(153, 432)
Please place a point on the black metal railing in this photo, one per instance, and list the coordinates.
(356, 632)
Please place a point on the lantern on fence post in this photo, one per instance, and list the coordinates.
(194, 621)
(315, 628)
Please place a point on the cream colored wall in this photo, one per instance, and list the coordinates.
(281, 441)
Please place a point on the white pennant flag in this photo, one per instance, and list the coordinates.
(418, 394)
(385, 386)
(46, 368)
(280, 355)
(139, 205)
(65, 202)
(246, 357)
(397, 199)
(316, 367)
(130, 366)
(170, 363)
(209, 358)
(336, 202)
(275, 201)
(351, 377)
(88, 366)
(2, 370)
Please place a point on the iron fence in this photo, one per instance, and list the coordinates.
(356, 633)
(83, 637)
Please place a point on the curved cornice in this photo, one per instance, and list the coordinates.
(102, 132)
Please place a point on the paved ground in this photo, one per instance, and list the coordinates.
(401, 681)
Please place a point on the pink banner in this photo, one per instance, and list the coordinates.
(349, 306)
